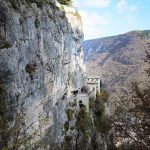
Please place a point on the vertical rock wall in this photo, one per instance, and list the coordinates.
(40, 65)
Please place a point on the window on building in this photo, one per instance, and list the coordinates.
(80, 103)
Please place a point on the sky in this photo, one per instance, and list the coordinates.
(103, 18)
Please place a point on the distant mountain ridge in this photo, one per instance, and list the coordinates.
(117, 59)
(112, 44)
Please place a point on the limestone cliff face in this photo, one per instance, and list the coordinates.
(40, 65)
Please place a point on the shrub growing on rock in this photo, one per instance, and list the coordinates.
(65, 2)
(69, 114)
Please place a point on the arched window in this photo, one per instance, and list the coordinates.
(80, 103)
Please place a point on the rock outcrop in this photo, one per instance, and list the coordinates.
(40, 65)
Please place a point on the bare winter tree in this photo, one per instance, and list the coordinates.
(131, 127)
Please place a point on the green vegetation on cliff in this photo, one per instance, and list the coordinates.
(65, 2)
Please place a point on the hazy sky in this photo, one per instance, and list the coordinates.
(111, 17)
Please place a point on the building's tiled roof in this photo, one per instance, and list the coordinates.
(93, 77)
(91, 82)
